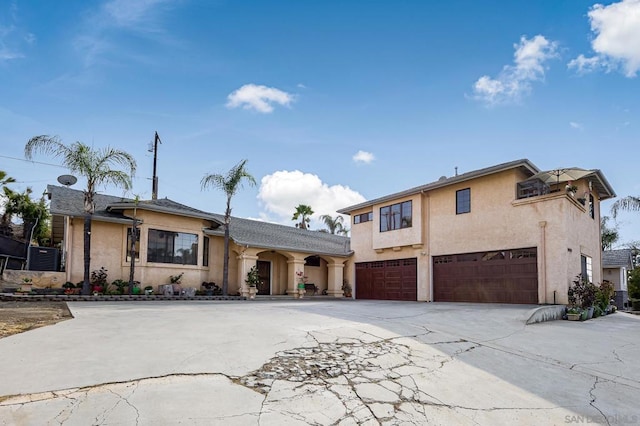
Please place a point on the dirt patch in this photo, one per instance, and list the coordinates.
(18, 317)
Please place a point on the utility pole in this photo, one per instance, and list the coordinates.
(154, 184)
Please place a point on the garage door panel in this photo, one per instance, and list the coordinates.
(507, 276)
(388, 280)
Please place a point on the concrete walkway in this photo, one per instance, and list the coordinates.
(320, 362)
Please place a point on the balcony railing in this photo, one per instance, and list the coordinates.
(532, 188)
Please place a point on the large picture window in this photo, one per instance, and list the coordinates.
(172, 247)
(395, 216)
(463, 201)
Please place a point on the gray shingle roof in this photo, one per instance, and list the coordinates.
(270, 235)
(612, 258)
(70, 202)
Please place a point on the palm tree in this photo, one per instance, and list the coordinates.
(93, 164)
(334, 225)
(629, 203)
(303, 212)
(608, 235)
(229, 184)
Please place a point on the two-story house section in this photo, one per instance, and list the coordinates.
(509, 233)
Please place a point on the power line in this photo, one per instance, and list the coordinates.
(33, 162)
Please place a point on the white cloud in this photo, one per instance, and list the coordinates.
(617, 38)
(515, 80)
(98, 40)
(259, 98)
(282, 191)
(12, 37)
(575, 125)
(127, 13)
(363, 157)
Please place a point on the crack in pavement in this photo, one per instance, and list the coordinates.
(593, 400)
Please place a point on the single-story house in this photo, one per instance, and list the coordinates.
(174, 238)
(508, 233)
(616, 265)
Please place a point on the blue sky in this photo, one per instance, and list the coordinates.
(331, 102)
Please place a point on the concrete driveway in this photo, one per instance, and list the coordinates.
(320, 362)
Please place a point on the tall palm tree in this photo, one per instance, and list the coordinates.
(334, 225)
(303, 212)
(95, 165)
(229, 184)
(629, 203)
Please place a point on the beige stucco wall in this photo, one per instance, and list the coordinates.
(108, 249)
(556, 224)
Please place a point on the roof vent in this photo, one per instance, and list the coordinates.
(442, 178)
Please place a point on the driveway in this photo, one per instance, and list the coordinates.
(320, 362)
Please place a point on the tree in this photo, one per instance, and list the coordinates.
(4, 179)
(609, 235)
(302, 213)
(334, 225)
(97, 166)
(229, 184)
(34, 214)
(629, 203)
(5, 222)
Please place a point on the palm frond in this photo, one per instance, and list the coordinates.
(629, 203)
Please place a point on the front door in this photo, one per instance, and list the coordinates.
(264, 271)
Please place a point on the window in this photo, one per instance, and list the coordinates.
(591, 209)
(205, 251)
(137, 246)
(586, 267)
(364, 217)
(172, 247)
(395, 216)
(463, 201)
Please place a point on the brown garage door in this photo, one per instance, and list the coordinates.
(504, 276)
(387, 280)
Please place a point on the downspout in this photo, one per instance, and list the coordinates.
(543, 260)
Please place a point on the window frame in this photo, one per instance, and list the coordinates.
(399, 210)
(171, 249)
(463, 205)
(362, 218)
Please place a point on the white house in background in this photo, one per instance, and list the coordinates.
(616, 265)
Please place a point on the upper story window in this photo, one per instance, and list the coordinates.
(592, 212)
(463, 201)
(396, 216)
(172, 247)
(364, 217)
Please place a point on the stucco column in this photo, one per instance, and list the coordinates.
(542, 263)
(335, 278)
(294, 265)
(245, 263)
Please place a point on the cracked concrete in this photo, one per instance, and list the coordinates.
(319, 363)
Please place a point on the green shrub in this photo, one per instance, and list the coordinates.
(633, 283)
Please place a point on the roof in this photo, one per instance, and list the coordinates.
(70, 202)
(270, 235)
(523, 164)
(254, 233)
(617, 258)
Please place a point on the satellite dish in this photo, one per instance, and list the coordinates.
(67, 180)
